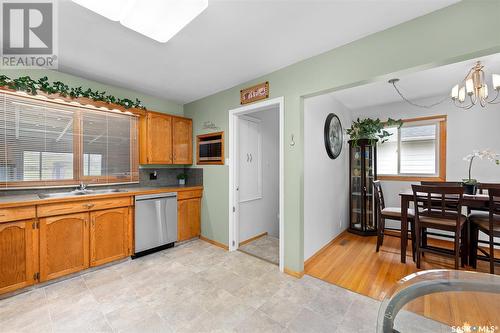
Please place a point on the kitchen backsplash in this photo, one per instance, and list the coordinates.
(168, 176)
(165, 177)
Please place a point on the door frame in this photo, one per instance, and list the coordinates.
(234, 210)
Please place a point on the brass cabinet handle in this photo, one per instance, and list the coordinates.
(89, 205)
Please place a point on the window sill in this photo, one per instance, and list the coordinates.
(412, 178)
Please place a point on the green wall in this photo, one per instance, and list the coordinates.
(459, 32)
(150, 102)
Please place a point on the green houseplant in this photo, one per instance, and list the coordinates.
(182, 178)
(371, 129)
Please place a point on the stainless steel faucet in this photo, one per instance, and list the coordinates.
(81, 187)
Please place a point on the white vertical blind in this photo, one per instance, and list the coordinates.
(44, 143)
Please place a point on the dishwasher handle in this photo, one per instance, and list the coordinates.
(156, 196)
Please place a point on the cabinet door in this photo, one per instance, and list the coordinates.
(18, 255)
(109, 235)
(182, 140)
(188, 218)
(159, 138)
(249, 159)
(64, 245)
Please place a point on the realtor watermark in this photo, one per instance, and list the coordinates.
(29, 34)
(474, 328)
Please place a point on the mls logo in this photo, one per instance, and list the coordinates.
(28, 28)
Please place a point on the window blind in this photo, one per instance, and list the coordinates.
(418, 149)
(412, 149)
(44, 143)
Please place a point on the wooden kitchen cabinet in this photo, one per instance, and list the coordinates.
(188, 215)
(165, 139)
(155, 139)
(182, 140)
(109, 235)
(18, 255)
(64, 245)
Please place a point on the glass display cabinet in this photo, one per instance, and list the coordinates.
(362, 170)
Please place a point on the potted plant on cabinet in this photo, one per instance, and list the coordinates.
(371, 129)
(182, 178)
(470, 184)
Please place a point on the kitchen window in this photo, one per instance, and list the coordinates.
(415, 151)
(45, 143)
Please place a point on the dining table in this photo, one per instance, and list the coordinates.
(476, 201)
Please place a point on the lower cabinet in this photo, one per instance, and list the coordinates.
(64, 245)
(18, 255)
(109, 235)
(188, 218)
(83, 235)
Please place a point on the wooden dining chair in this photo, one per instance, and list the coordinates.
(389, 213)
(483, 187)
(425, 233)
(439, 183)
(440, 208)
(489, 224)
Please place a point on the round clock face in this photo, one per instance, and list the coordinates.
(334, 137)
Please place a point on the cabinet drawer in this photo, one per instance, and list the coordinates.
(16, 214)
(110, 203)
(181, 195)
(81, 206)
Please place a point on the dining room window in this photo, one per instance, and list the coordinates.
(43, 143)
(415, 151)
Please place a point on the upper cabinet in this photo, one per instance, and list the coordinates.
(165, 139)
(182, 139)
(159, 139)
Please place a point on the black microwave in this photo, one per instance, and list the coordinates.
(210, 148)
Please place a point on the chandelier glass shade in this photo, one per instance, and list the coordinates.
(474, 89)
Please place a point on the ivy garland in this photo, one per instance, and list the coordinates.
(27, 84)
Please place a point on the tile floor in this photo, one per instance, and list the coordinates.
(196, 287)
(266, 247)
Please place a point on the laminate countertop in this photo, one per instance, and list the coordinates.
(17, 200)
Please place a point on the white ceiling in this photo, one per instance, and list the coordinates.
(435, 82)
(229, 43)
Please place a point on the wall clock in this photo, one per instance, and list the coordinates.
(334, 136)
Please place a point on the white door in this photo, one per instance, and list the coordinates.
(250, 170)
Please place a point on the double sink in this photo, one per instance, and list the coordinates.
(79, 193)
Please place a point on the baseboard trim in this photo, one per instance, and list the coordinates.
(320, 251)
(293, 273)
(224, 246)
(253, 238)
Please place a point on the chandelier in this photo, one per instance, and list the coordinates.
(474, 89)
(471, 91)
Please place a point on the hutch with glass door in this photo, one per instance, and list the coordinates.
(362, 170)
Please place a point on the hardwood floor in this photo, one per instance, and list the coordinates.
(351, 262)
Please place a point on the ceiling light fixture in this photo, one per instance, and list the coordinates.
(157, 19)
(475, 87)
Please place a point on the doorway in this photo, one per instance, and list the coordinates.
(256, 180)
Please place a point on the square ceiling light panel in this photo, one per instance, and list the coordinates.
(157, 19)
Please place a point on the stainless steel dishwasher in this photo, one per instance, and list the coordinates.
(155, 222)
